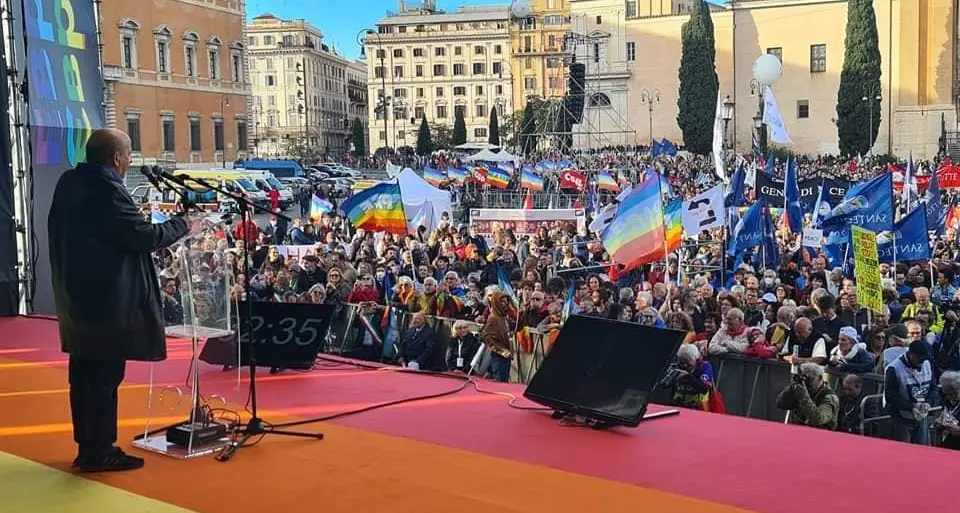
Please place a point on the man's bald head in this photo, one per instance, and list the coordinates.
(111, 148)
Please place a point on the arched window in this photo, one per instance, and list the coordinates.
(190, 40)
(161, 41)
(128, 43)
(599, 100)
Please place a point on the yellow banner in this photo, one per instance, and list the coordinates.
(866, 269)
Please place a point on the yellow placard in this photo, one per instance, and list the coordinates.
(866, 269)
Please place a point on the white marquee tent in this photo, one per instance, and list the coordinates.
(423, 204)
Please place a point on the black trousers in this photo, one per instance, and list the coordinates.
(93, 403)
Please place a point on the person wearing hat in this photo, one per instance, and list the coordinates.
(849, 355)
(897, 339)
(908, 393)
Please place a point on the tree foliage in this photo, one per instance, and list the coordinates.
(697, 101)
(459, 128)
(494, 129)
(424, 141)
(441, 136)
(528, 129)
(358, 138)
(859, 91)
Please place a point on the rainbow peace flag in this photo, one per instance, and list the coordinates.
(530, 180)
(433, 176)
(158, 217)
(497, 177)
(636, 236)
(457, 174)
(606, 182)
(673, 225)
(379, 208)
(509, 167)
(318, 207)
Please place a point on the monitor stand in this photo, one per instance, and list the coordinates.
(579, 420)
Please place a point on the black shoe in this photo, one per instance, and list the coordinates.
(115, 460)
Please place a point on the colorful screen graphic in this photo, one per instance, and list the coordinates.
(65, 83)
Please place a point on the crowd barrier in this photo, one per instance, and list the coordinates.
(749, 385)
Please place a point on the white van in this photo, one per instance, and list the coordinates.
(266, 182)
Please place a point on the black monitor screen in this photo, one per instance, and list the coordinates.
(604, 369)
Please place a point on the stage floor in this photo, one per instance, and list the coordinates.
(467, 452)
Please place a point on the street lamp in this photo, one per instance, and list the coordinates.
(871, 95)
(766, 71)
(383, 100)
(224, 102)
(726, 113)
(650, 98)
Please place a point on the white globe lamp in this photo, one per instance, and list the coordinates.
(767, 69)
(520, 9)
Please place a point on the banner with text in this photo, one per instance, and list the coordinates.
(770, 191)
(866, 269)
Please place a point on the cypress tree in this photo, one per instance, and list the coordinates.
(494, 128)
(358, 138)
(424, 142)
(459, 128)
(859, 90)
(697, 102)
(528, 127)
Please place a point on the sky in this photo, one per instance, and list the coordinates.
(341, 20)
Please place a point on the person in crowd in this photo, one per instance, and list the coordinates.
(909, 392)
(694, 379)
(805, 346)
(417, 344)
(851, 398)
(310, 274)
(849, 355)
(495, 335)
(463, 347)
(947, 424)
(898, 336)
(172, 306)
(106, 291)
(778, 333)
(732, 336)
(809, 400)
(364, 291)
(921, 297)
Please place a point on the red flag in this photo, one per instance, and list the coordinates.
(571, 179)
(528, 201)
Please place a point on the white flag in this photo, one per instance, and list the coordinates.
(704, 212)
(773, 119)
(603, 218)
(718, 139)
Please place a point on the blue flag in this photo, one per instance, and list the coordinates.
(868, 204)
(911, 238)
(910, 184)
(770, 253)
(749, 231)
(736, 195)
(791, 195)
(936, 214)
(504, 282)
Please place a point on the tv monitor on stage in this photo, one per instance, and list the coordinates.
(604, 370)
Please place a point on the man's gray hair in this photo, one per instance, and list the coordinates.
(787, 314)
(429, 280)
(811, 370)
(626, 295)
(950, 380)
(647, 297)
(689, 352)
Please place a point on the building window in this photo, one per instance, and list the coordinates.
(596, 52)
(439, 70)
(398, 71)
(528, 63)
(458, 69)
(631, 10)
(479, 132)
(631, 51)
(530, 83)
(419, 92)
(213, 54)
(418, 70)
(242, 135)
(459, 91)
(162, 40)
(383, 135)
(553, 82)
(803, 109)
(418, 52)
(196, 143)
(270, 80)
(481, 110)
(133, 130)
(439, 51)
(553, 62)
(288, 40)
(499, 89)
(236, 65)
(478, 50)
(599, 100)
(218, 135)
(399, 93)
(398, 52)
(457, 50)
(378, 72)
(818, 58)
(479, 68)
(439, 92)
(527, 44)
(190, 40)
(497, 68)
(479, 90)
(128, 43)
(418, 112)
(381, 54)
(441, 111)
(599, 20)
(498, 49)
(777, 52)
(168, 129)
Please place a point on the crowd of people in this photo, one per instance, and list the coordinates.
(799, 311)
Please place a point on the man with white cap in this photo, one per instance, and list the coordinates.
(849, 355)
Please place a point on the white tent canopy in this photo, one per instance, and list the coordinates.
(489, 156)
(476, 146)
(423, 204)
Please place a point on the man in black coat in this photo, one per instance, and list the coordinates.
(106, 291)
(417, 344)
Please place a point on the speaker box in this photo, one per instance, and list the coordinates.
(604, 370)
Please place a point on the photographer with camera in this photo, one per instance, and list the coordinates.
(810, 401)
(693, 379)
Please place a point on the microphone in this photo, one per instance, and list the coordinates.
(151, 177)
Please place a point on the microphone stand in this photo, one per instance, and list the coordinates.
(256, 425)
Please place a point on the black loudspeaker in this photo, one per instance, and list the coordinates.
(604, 370)
(288, 335)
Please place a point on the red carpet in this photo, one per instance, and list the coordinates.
(738, 462)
